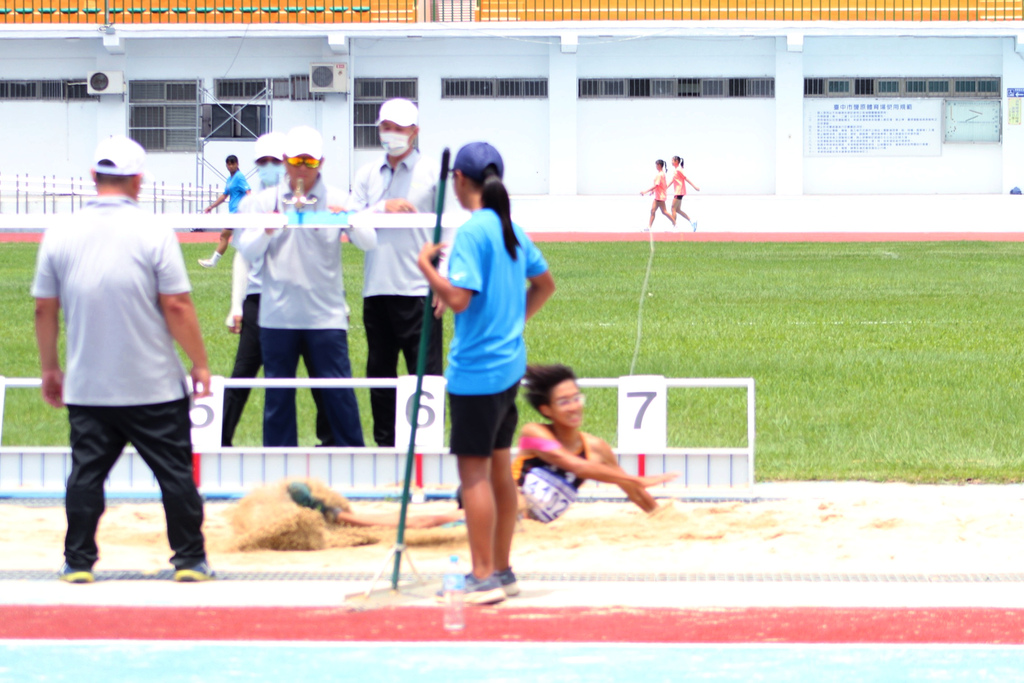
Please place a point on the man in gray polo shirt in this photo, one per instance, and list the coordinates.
(125, 294)
(302, 308)
(394, 289)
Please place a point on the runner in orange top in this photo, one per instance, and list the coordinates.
(660, 191)
(679, 181)
(555, 458)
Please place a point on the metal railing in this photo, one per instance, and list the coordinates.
(405, 11)
(232, 470)
(34, 195)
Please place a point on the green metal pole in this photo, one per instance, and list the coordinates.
(421, 364)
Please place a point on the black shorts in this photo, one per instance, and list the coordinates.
(679, 197)
(483, 424)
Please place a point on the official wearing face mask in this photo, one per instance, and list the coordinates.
(400, 181)
(246, 286)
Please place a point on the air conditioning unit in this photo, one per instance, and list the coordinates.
(331, 77)
(105, 83)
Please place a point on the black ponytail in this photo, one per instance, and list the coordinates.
(495, 197)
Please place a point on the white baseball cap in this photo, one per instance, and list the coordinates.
(304, 140)
(270, 145)
(400, 112)
(119, 155)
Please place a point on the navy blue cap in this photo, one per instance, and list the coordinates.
(473, 158)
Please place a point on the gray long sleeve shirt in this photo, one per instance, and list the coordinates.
(302, 274)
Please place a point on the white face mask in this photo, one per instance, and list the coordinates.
(395, 144)
(270, 174)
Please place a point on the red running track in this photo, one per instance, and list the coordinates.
(422, 624)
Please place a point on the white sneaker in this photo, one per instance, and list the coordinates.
(210, 263)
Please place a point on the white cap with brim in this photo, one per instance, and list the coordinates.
(270, 145)
(400, 112)
(119, 155)
(304, 141)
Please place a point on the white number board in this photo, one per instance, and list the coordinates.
(643, 413)
(430, 426)
(208, 418)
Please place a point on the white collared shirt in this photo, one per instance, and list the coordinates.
(391, 268)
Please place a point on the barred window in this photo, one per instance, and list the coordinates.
(863, 86)
(596, 88)
(164, 116)
(369, 94)
(49, 89)
(505, 88)
(887, 87)
(911, 87)
(240, 88)
(602, 87)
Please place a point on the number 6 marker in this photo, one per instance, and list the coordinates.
(430, 428)
(642, 413)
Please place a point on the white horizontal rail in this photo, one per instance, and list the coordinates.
(238, 469)
(236, 221)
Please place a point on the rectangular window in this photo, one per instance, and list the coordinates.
(522, 87)
(664, 87)
(918, 87)
(760, 87)
(887, 87)
(712, 87)
(689, 87)
(911, 87)
(504, 88)
(52, 90)
(675, 87)
(239, 88)
(964, 86)
(368, 95)
(838, 87)
(863, 86)
(602, 87)
(164, 116)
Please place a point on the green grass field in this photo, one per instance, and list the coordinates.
(874, 361)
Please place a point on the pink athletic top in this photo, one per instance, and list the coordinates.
(660, 187)
(679, 182)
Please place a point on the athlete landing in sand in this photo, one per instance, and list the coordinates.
(556, 458)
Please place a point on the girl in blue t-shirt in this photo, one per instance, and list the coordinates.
(489, 261)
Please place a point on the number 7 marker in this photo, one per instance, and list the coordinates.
(642, 414)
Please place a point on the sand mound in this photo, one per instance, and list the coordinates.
(268, 519)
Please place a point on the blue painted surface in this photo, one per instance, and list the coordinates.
(153, 661)
(317, 218)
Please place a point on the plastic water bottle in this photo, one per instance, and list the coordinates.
(454, 590)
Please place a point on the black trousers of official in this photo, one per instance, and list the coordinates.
(393, 325)
(248, 361)
(161, 434)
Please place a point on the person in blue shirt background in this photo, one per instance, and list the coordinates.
(489, 262)
(235, 190)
